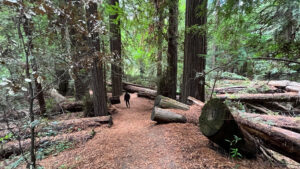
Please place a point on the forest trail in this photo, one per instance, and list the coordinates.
(134, 141)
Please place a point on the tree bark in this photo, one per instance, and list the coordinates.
(194, 50)
(159, 5)
(79, 48)
(115, 47)
(168, 103)
(171, 77)
(164, 116)
(99, 95)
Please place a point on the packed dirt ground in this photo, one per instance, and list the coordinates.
(134, 141)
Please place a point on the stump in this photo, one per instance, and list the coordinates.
(164, 116)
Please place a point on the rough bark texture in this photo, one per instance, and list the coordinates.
(115, 47)
(171, 77)
(168, 103)
(278, 97)
(79, 49)
(194, 49)
(160, 24)
(164, 116)
(280, 140)
(99, 95)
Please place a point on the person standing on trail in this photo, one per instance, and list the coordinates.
(127, 98)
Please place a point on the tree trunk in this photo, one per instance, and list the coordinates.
(28, 28)
(99, 95)
(168, 103)
(79, 49)
(171, 77)
(219, 123)
(160, 24)
(194, 51)
(164, 116)
(276, 97)
(115, 47)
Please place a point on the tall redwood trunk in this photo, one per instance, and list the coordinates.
(194, 51)
(99, 95)
(78, 48)
(160, 24)
(115, 47)
(172, 49)
(28, 27)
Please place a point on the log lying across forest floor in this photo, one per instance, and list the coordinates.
(13, 148)
(168, 103)
(219, 123)
(142, 91)
(71, 125)
(276, 97)
(165, 116)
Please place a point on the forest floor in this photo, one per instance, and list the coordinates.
(134, 141)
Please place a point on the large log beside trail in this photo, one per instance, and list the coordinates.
(165, 116)
(278, 97)
(71, 125)
(168, 103)
(219, 123)
(13, 148)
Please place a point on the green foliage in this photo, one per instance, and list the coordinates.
(49, 148)
(7, 137)
(232, 76)
(234, 152)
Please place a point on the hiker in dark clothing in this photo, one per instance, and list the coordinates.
(127, 98)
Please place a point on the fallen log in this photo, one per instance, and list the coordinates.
(293, 89)
(219, 123)
(164, 116)
(13, 148)
(196, 101)
(284, 122)
(72, 125)
(72, 106)
(232, 89)
(278, 97)
(138, 89)
(168, 103)
(146, 94)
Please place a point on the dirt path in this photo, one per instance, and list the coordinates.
(135, 141)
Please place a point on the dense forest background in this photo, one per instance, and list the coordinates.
(85, 49)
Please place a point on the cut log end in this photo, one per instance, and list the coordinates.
(164, 116)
